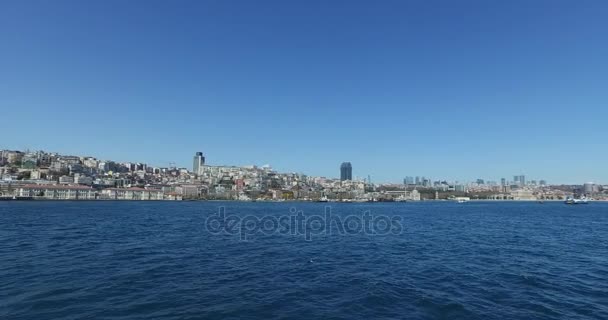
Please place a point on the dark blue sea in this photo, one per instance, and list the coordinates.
(180, 260)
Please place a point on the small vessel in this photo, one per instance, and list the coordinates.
(17, 198)
(401, 198)
(323, 199)
(462, 199)
(572, 200)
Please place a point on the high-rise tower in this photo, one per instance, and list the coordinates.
(198, 164)
(346, 171)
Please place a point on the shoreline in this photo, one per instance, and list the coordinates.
(21, 199)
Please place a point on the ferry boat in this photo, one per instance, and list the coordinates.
(462, 199)
(323, 199)
(571, 200)
(15, 198)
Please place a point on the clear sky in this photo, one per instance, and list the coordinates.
(443, 89)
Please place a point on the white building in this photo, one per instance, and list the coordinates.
(35, 175)
(132, 193)
(80, 179)
(66, 180)
(523, 194)
(57, 192)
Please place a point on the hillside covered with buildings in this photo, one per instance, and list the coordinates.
(47, 175)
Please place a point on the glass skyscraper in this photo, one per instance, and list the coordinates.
(346, 171)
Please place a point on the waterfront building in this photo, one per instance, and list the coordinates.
(133, 193)
(189, 190)
(346, 171)
(399, 195)
(172, 196)
(414, 195)
(522, 194)
(57, 192)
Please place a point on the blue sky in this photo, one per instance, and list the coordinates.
(444, 89)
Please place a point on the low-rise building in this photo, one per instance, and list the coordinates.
(35, 174)
(523, 194)
(80, 179)
(66, 180)
(132, 193)
(189, 190)
(172, 196)
(57, 192)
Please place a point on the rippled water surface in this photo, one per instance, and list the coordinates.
(155, 260)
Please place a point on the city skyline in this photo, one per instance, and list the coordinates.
(345, 172)
(484, 90)
(29, 175)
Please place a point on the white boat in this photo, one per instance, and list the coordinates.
(571, 200)
(323, 199)
(462, 199)
(401, 198)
